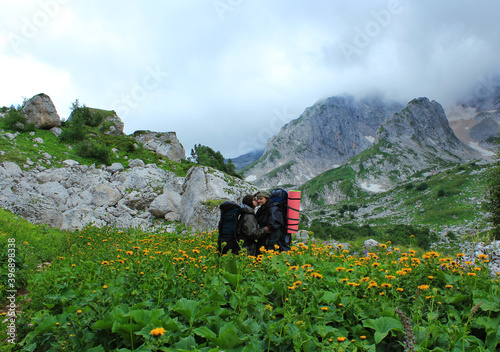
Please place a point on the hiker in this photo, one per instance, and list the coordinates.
(270, 215)
(248, 227)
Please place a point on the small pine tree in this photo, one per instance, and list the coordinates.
(203, 155)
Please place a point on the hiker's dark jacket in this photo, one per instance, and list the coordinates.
(270, 215)
(249, 230)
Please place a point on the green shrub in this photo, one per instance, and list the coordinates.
(422, 187)
(73, 131)
(441, 193)
(16, 121)
(87, 116)
(92, 149)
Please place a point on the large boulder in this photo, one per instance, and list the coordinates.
(162, 143)
(166, 206)
(204, 189)
(40, 111)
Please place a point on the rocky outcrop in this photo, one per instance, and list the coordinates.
(114, 124)
(162, 143)
(40, 111)
(422, 127)
(77, 195)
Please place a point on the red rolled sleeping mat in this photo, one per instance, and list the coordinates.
(293, 211)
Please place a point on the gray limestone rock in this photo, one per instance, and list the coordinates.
(41, 111)
(162, 143)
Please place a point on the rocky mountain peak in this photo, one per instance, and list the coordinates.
(422, 126)
(326, 135)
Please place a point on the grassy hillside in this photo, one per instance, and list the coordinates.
(449, 199)
(95, 148)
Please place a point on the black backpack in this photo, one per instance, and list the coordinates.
(279, 197)
(228, 227)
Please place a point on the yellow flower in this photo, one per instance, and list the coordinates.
(105, 286)
(423, 287)
(362, 337)
(324, 309)
(449, 286)
(341, 339)
(471, 274)
(316, 275)
(158, 332)
(482, 256)
(79, 311)
(399, 289)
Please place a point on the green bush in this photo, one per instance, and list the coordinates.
(422, 187)
(441, 193)
(409, 186)
(92, 149)
(16, 121)
(73, 131)
(87, 116)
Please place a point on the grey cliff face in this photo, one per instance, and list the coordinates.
(422, 126)
(326, 135)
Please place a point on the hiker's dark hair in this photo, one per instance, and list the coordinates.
(248, 200)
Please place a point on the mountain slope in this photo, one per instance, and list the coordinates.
(446, 201)
(414, 142)
(326, 135)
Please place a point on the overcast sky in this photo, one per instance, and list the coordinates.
(229, 73)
